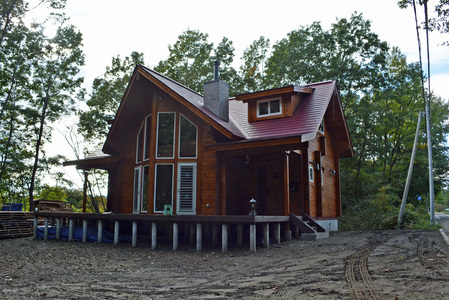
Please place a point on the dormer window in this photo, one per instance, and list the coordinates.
(268, 108)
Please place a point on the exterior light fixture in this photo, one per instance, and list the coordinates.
(252, 206)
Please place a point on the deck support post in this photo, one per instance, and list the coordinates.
(70, 230)
(58, 228)
(277, 232)
(266, 235)
(252, 237)
(239, 235)
(35, 228)
(46, 229)
(296, 232)
(116, 232)
(153, 235)
(224, 238)
(199, 237)
(84, 230)
(100, 231)
(175, 236)
(214, 234)
(134, 235)
(288, 235)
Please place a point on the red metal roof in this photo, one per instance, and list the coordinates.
(305, 120)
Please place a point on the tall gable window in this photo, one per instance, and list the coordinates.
(139, 147)
(147, 137)
(187, 138)
(165, 134)
(270, 107)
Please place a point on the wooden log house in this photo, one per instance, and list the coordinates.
(173, 151)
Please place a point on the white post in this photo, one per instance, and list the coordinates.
(84, 230)
(224, 238)
(153, 235)
(277, 231)
(116, 232)
(175, 236)
(35, 228)
(252, 238)
(134, 235)
(70, 230)
(46, 229)
(100, 231)
(199, 237)
(58, 228)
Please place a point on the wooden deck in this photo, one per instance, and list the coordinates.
(195, 223)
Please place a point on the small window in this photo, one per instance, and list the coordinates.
(311, 173)
(321, 128)
(271, 107)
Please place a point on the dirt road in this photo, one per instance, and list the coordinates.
(348, 265)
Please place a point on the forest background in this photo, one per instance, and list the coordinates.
(382, 95)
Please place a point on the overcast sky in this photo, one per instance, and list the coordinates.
(112, 28)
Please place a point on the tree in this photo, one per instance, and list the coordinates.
(253, 68)
(107, 92)
(190, 61)
(54, 83)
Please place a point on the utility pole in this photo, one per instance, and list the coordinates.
(428, 121)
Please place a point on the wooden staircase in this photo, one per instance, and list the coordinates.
(308, 228)
(15, 224)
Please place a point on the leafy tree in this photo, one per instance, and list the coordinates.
(190, 61)
(54, 83)
(253, 68)
(107, 92)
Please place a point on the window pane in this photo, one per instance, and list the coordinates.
(275, 107)
(263, 108)
(165, 138)
(187, 138)
(139, 144)
(136, 190)
(145, 188)
(186, 188)
(147, 137)
(164, 187)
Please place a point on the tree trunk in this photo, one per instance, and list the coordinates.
(36, 157)
(8, 19)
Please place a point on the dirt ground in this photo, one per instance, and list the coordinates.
(348, 265)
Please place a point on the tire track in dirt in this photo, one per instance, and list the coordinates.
(430, 259)
(357, 274)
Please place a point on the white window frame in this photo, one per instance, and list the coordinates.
(155, 187)
(174, 135)
(145, 139)
(269, 113)
(179, 139)
(141, 187)
(139, 160)
(137, 189)
(194, 185)
(311, 173)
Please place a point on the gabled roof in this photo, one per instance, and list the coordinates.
(303, 124)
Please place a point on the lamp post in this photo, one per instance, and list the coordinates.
(252, 206)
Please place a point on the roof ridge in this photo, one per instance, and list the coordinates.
(169, 79)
